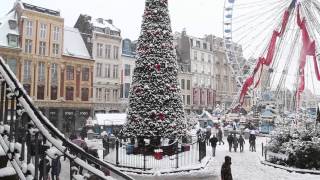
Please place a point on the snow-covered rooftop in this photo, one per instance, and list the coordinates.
(103, 23)
(5, 29)
(73, 44)
(110, 119)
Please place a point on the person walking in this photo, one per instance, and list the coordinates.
(226, 169)
(241, 142)
(56, 167)
(220, 136)
(208, 134)
(252, 140)
(235, 142)
(44, 165)
(213, 142)
(230, 141)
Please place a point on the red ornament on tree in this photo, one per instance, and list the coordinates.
(158, 67)
(161, 116)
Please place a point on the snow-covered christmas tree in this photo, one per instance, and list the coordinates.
(155, 104)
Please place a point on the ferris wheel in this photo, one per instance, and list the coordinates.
(278, 38)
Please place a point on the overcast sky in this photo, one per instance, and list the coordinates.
(199, 17)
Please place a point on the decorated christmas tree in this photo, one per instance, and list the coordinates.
(155, 104)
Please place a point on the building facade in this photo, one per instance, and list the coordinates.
(103, 41)
(128, 61)
(50, 66)
(212, 79)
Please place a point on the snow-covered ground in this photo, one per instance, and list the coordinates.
(247, 166)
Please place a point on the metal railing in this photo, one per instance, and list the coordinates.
(136, 155)
(32, 134)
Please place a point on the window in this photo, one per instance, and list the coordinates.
(195, 55)
(198, 44)
(115, 71)
(42, 48)
(202, 56)
(27, 70)
(40, 92)
(99, 69)
(204, 45)
(29, 28)
(84, 94)
(184, 99)
(107, 94)
(13, 40)
(56, 31)
(27, 87)
(188, 99)
(99, 49)
(126, 90)
(69, 93)
(188, 84)
(55, 49)
(209, 58)
(127, 69)
(115, 52)
(43, 30)
(121, 90)
(85, 74)
(191, 42)
(54, 93)
(54, 73)
(182, 84)
(99, 94)
(108, 51)
(115, 94)
(41, 71)
(70, 72)
(13, 65)
(28, 46)
(107, 71)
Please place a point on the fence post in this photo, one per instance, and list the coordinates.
(144, 157)
(117, 152)
(177, 155)
(265, 154)
(262, 148)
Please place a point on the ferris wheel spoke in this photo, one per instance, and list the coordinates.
(260, 11)
(255, 6)
(254, 3)
(260, 30)
(252, 22)
(252, 25)
(313, 19)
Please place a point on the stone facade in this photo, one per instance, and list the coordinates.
(48, 69)
(103, 41)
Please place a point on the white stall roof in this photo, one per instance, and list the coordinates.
(110, 119)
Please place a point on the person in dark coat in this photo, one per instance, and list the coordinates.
(235, 142)
(44, 165)
(230, 141)
(208, 134)
(226, 169)
(213, 142)
(56, 167)
(252, 141)
(220, 136)
(241, 142)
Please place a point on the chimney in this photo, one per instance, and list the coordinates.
(109, 21)
(100, 20)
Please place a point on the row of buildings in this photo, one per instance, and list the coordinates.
(73, 72)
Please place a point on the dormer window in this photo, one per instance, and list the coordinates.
(107, 30)
(13, 40)
(12, 24)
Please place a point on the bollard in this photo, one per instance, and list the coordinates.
(117, 152)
